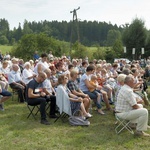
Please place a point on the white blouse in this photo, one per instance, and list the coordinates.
(26, 74)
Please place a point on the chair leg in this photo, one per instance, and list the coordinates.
(125, 125)
(62, 116)
(47, 108)
(38, 108)
(31, 111)
(58, 117)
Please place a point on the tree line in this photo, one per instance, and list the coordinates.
(94, 33)
(90, 32)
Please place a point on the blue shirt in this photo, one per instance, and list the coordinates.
(82, 84)
(36, 56)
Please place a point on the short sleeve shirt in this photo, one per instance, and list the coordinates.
(82, 84)
(35, 86)
(125, 99)
(72, 85)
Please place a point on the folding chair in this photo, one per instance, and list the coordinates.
(34, 109)
(122, 124)
(62, 116)
(47, 108)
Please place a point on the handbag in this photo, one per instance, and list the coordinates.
(78, 121)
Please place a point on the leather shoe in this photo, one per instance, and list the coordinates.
(44, 121)
(141, 133)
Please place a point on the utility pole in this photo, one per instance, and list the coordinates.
(74, 24)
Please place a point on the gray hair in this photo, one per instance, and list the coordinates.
(73, 72)
(127, 66)
(128, 78)
(126, 71)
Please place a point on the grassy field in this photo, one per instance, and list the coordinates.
(5, 49)
(20, 133)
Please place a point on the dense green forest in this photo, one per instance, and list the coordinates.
(90, 33)
(85, 33)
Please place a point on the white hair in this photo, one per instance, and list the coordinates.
(121, 77)
(27, 63)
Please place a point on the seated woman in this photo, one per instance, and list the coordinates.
(76, 103)
(85, 85)
(3, 81)
(27, 73)
(5, 69)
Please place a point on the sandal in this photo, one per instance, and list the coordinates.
(101, 112)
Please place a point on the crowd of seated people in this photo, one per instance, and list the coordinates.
(84, 82)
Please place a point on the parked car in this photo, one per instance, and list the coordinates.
(127, 60)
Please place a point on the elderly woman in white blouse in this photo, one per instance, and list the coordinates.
(27, 74)
(5, 69)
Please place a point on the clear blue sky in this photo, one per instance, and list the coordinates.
(114, 11)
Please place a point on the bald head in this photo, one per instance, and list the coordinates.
(42, 74)
(41, 77)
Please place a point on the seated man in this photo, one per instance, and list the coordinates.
(127, 107)
(15, 82)
(36, 95)
(72, 85)
(5, 95)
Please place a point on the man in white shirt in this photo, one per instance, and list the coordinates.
(42, 65)
(15, 82)
(127, 107)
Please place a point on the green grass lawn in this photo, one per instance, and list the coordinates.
(5, 48)
(20, 133)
